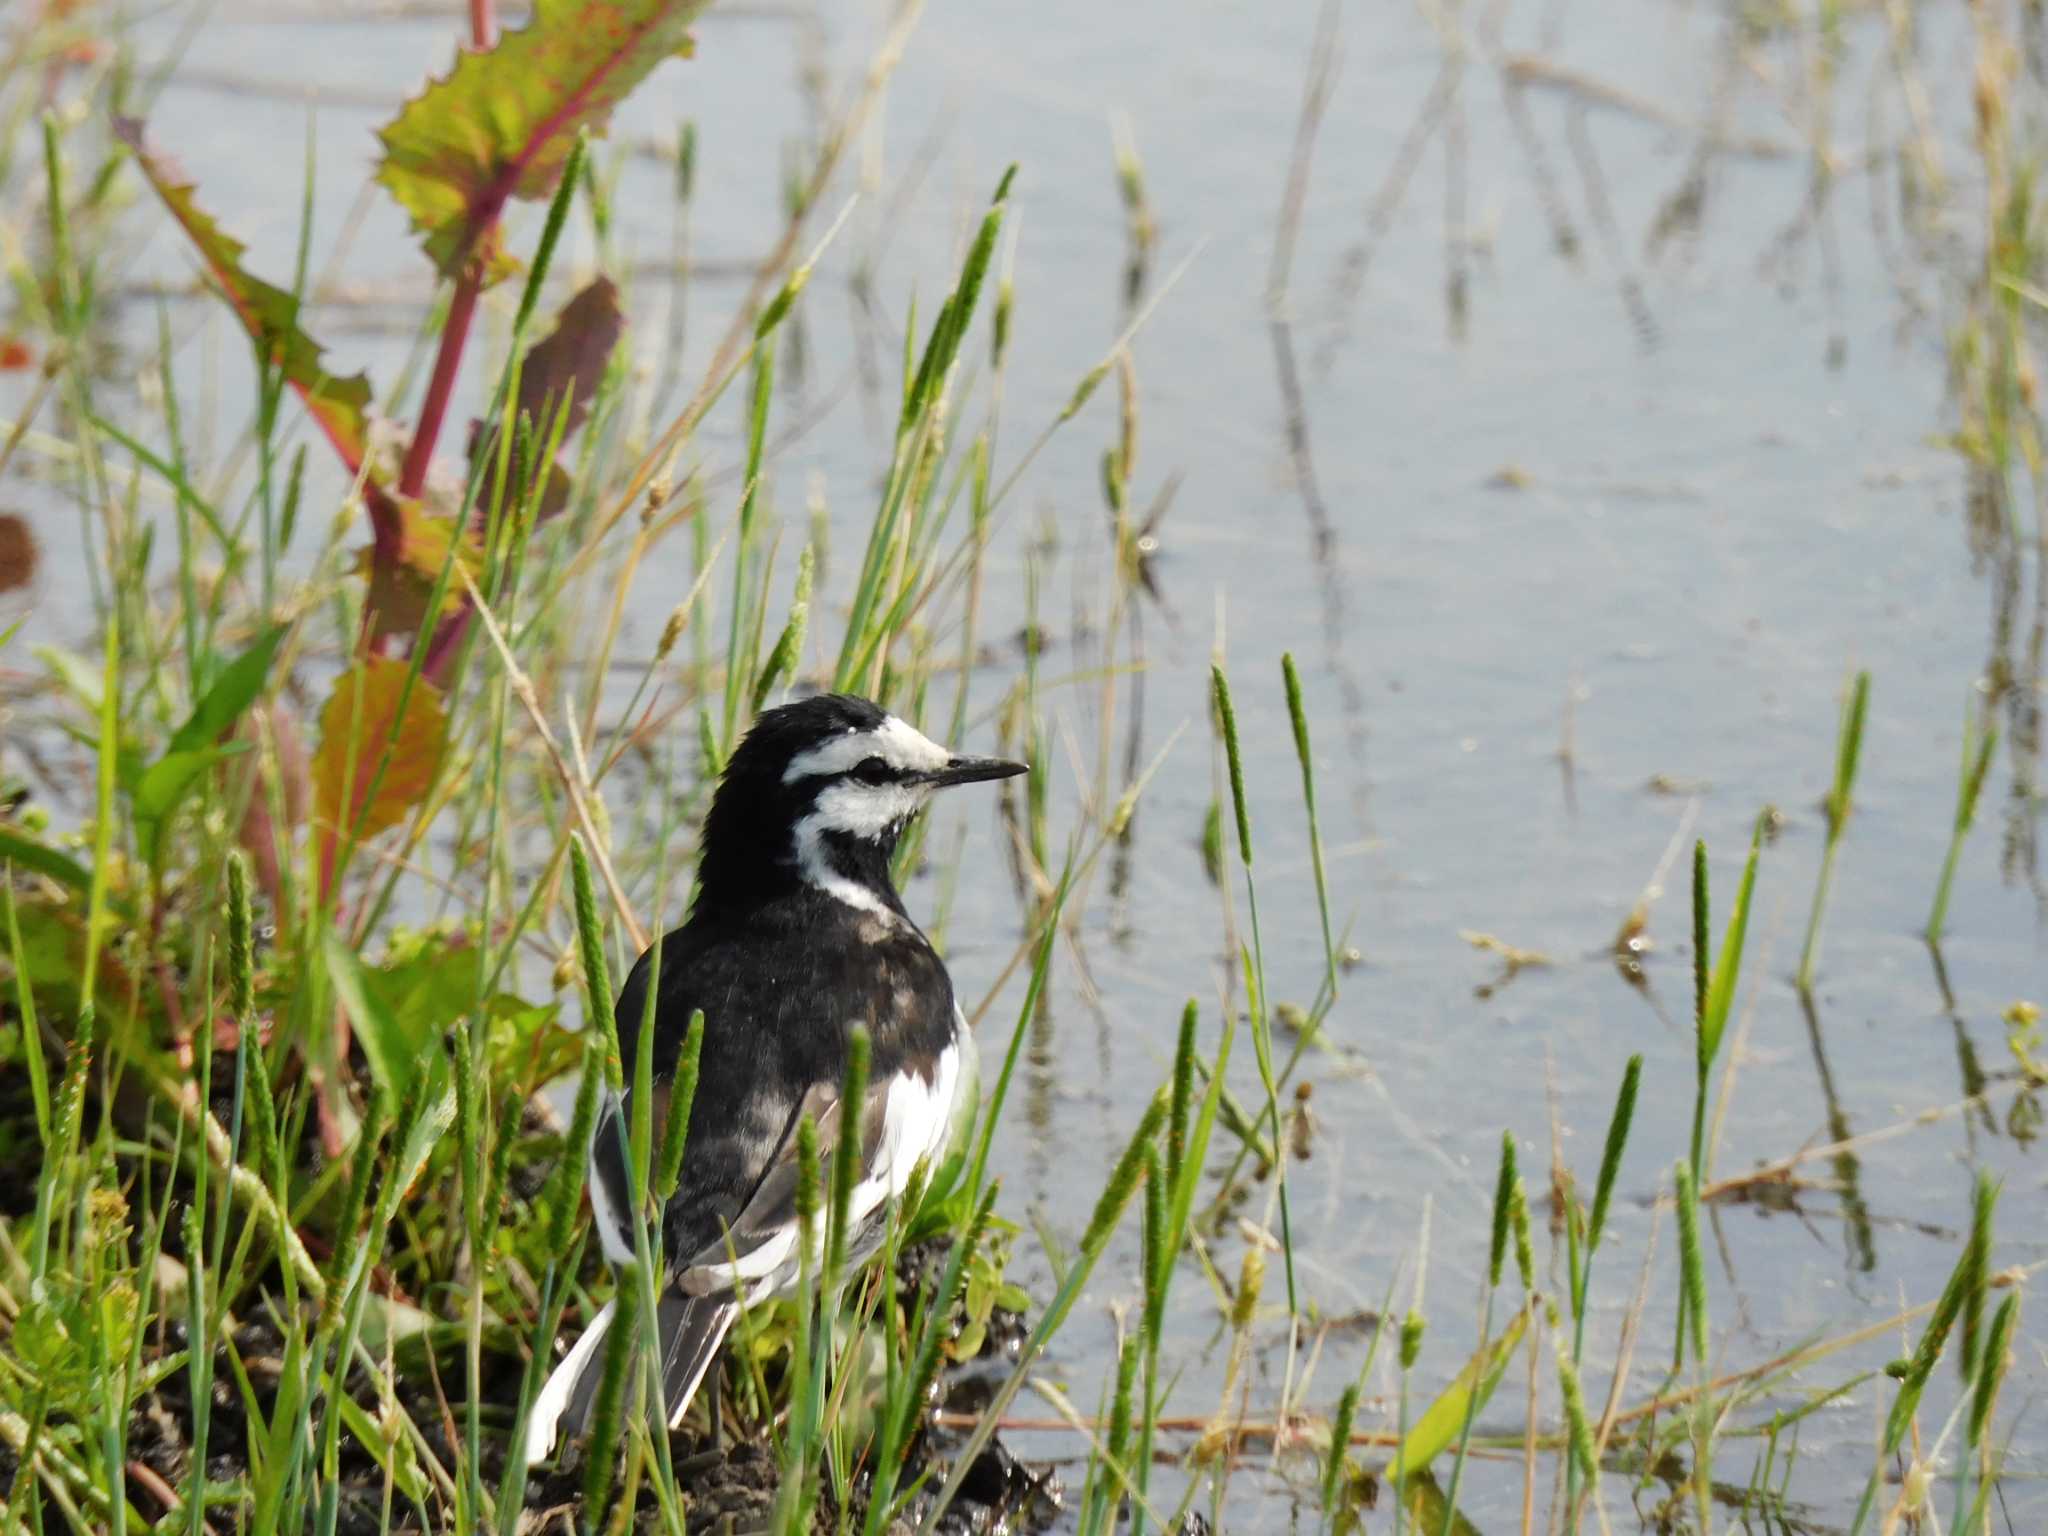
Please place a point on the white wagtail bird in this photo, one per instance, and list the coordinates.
(796, 936)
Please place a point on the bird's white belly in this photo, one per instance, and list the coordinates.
(918, 1122)
(919, 1119)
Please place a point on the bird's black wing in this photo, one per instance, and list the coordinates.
(760, 1246)
(767, 1053)
(778, 994)
(755, 1246)
(723, 1160)
(757, 1256)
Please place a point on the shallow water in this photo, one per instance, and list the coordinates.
(1579, 566)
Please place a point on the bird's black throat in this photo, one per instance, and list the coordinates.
(749, 857)
(865, 862)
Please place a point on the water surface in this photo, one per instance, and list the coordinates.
(1590, 528)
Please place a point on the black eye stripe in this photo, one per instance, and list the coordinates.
(872, 770)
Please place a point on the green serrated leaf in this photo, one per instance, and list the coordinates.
(269, 314)
(425, 993)
(501, 123)
(46, 1339)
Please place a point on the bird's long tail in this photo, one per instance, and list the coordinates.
(690, 1329)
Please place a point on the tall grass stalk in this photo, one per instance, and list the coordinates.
(1297, 715)
(1503, 1203)
(1968, 1276)
(636, 1319)
(1584, 1232)
(1982, 1461)
(1713, 1000)
(1187, 1141)
(1580, 1455)
(793, 1498)
(25, 1011)
(1255, 965)
(910, 1388)
(1714, 984)
(1413, 1327)
(1980, 741)
(1848, 747)
(1693, 1284)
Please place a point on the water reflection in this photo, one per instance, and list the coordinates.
(1861, 1244)
(1969, 1068)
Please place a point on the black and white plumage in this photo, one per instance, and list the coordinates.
(797, 935)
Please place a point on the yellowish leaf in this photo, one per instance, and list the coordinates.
(382, 733)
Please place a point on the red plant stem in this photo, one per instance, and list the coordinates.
(412, 478)
(446, 646)
(461, 310)
(441, 386)
(387, 529)
(484, 208)
(387, 548)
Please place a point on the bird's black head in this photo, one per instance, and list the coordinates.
(818, 792)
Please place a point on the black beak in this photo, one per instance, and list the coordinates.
(973, 770)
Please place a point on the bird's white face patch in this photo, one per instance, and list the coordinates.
(896, 742)
(865, 811)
